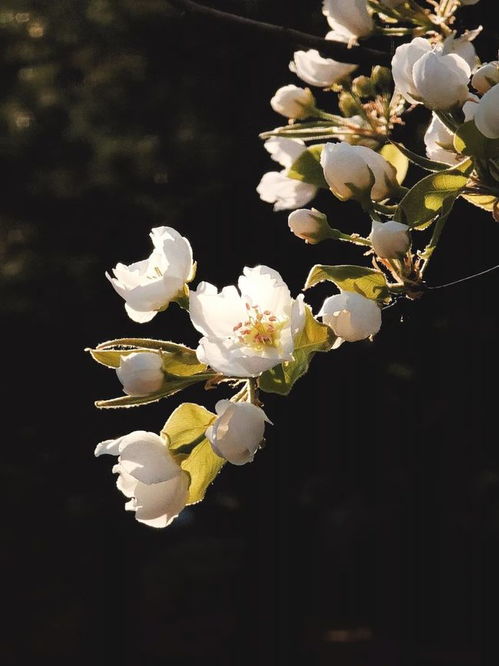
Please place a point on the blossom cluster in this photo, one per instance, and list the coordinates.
(256, 337)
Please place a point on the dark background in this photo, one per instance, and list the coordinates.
(367, 531)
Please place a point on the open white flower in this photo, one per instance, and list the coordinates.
(149, 476)
(439, 142)
(141, 373)
(390, 239)
(248, 331)
(237, 432)
(349, 16)
(275, 187)
(352, 316)
(315, 70)
(148, 286)
(343, 164)
(487, 113)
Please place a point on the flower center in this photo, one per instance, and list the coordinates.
(260, 330)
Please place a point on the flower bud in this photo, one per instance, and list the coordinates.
(352, 316)
(309, 225)
(487, 114)
(318, 71)
(382, 78)
(441, 80)
(347, 104)
(486, 77)
(367, 171)
(141, 373)
(237, 432)
(363, 86)
(293, 102)
(390, 240)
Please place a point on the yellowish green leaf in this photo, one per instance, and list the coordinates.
(397, 159)
(307, 167)
(365, 281)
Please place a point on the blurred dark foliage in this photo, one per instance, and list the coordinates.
(367, 532)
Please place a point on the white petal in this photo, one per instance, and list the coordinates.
(140, 317)
(264, 287)
(109, 446)
(147, 459)
(158, 504)
(284, 151)
(223, 357)
(215, 314)
(285, 193)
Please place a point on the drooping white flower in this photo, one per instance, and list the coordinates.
(248, 331)
(309, 224)
(352, 316)
(343, 163)
(315, 70)
(275, 187)
(441, 79)
(141, 373)
(487, 114)
(485, 77)
(439, 142)
(293, 102)
(149, 476)
(351, 16)
(237, 432)
(390, 239)
(148, 286)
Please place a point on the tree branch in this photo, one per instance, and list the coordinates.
(358, 55)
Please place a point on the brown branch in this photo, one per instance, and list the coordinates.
(358, 55)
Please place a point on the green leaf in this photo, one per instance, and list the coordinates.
(470, 141)
(315, 337)
(172, 384)
(365, 281)
(397, 159)
(485, 201)
(418, 160)
(186, 428)
(426, 199)
(202, 465)
(184, 433)
(307, 167)
(177, 359)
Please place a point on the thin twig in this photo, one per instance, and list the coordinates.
(465, 279)
(358, 55)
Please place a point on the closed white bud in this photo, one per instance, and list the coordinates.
(141, 373)
(293, 102)
(441, 80)
(349, 16)
(390, 239)
(486, 77)
(432, 77)
(315, 70)
(237, 432)
(352, 316)
(309, 224)
(487, 114)
(344, 164)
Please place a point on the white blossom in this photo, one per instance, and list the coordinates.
(463, 46)
(439, 142)
(487, 114)
(352, 316)
(406, 56)
(148, 286)
(248, 331)
(148, 475)
(390, 239)
(485, 77)
(315, 70)
(349, 16)
(237, 432)
(275, 187)
(343, 163)
(141, 373)
(293, 102)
